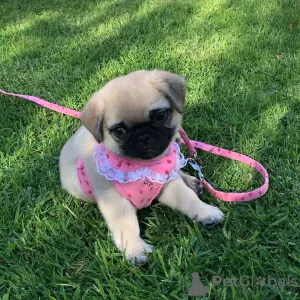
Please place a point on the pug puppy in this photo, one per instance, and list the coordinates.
(136, 116)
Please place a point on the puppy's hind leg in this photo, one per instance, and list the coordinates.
(178, 196)
(121, 219)
(193, 183)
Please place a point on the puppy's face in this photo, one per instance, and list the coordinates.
(137, 115)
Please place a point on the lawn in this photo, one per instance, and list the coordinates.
(241, 60)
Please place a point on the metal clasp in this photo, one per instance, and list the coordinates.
(195, 165)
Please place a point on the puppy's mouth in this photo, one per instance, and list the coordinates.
(148, 142)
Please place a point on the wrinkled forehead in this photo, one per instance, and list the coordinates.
(132, 104)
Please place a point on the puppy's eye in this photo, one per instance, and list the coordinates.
(159, 115)
(118, 132)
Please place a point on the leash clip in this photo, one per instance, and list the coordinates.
(195, 165)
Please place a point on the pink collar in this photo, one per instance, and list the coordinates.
(231, 197)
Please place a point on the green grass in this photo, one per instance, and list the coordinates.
(241, 62)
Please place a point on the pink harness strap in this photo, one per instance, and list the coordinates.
(138, 181)
(84, 179)
(230, 197)
(142, 192)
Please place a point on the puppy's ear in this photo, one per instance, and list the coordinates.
(172, 86)
(92, 116)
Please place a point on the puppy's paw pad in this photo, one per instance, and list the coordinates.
(211, 222)
(140, 259)
(214, 216)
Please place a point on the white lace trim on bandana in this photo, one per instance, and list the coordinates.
(105, 169)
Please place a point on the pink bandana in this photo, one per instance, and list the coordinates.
(135, 180)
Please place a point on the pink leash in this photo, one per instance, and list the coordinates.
(230, 197)
(191, 145)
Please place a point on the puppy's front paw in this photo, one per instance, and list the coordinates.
(209, 216)
(136, 251)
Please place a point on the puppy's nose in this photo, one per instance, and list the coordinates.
(145, 139)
